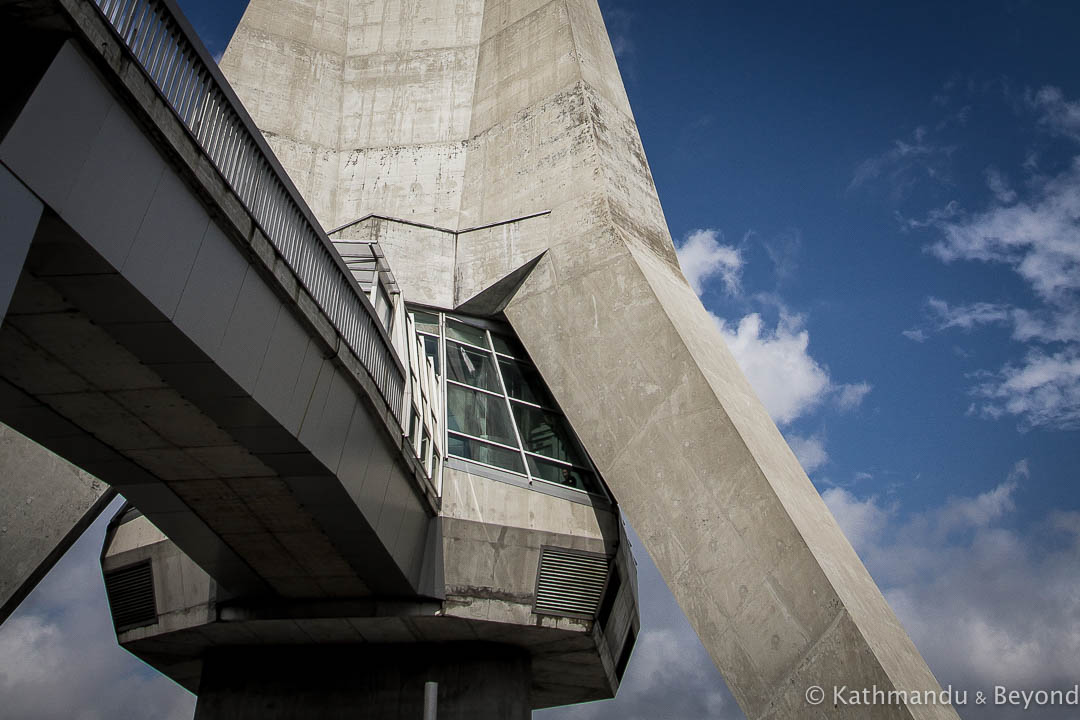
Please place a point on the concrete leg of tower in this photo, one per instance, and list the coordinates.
(365, 682)
(47, 504)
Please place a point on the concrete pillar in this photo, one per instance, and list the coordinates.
(365, 682)
(47, 503)
(758, 564)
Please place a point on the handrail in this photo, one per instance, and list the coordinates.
(158, 36)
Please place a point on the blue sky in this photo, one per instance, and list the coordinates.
(881, 206)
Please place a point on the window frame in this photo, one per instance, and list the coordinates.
(489, 328)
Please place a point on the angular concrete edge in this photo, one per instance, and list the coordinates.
(48, 503)
(758, 564)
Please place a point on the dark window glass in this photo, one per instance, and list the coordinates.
(471, 367)
(545, 433)
(426, 322)
(524, 383)
(562, 474)
(465, 333)
(383, 308)
(431, 349)
(470, 449)
(507, 345)
(478, 414)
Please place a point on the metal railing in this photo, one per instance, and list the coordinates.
(175, 60)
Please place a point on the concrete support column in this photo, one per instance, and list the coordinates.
(48, 503)
(365, 682)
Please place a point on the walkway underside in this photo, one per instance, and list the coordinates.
(147, 343)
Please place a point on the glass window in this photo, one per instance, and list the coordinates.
(472, 367)
(478, 414)
(524, 383)
(545, 433)
(426, 322)
(486, 453)
(562, 474)
(499, 412)
(383, 307)
(431, 350)
(507, 345)
(466, 333)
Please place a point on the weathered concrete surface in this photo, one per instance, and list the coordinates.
(491, 587)
(365, 103)
(754, 557)
(47, 504)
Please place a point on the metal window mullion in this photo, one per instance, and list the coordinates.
(467, 386)
(509, 408)
(442, 384)
(460, 342)
(566, 463)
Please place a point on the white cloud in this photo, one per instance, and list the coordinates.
(1043, 390)
(850, 396)
(967, 317)
(776, 362)
(1038, 238)
(999, 185)
(984, 603)
(810, 451)
(703, 257)
(861, 520)
(903, 162)
(915, 334)
(1058, 114)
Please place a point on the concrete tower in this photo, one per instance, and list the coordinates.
(376, 423)
(490, 148)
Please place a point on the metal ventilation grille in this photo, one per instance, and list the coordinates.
(131, 596)
(570, 583)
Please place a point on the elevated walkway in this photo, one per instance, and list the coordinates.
(177, 324)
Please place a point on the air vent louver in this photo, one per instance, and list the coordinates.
(131, 596)
(570, 583)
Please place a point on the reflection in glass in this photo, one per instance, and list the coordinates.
(478, 414)
(562, 474)
(499, 411)
(544, 433)
(465, 333)
(488, 454)
(524, 383)
(431, 349)
(507, 345)
(426, 322)
(471, 367)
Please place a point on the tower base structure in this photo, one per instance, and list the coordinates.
(372, 682)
